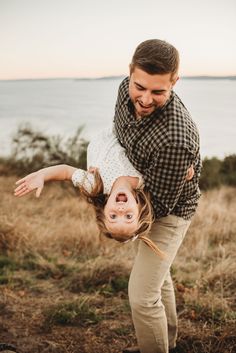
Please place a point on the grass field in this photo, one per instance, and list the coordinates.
(64, 290)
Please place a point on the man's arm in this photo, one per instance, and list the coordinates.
(166, 178)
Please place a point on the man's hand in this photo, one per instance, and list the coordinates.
(92, 169)
(190, 173)
(29, 183)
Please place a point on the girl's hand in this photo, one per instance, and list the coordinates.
(29, 183)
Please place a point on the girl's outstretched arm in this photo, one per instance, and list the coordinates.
(36, 180)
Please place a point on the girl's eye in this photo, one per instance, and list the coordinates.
(129, 216)
(112, 216)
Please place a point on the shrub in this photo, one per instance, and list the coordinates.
(216, 172)
(210, 175)
(228, 170)
(32, 150)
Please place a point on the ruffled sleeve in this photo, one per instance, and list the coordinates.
(83, 178)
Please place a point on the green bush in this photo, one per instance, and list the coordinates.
(216, 172)
(210, 174)
(228, 170)
(33, 150)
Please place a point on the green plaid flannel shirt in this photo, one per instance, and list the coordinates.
(162, 146)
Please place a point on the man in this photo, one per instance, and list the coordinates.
(162, 142)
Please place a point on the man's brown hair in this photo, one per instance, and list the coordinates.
(156, 56)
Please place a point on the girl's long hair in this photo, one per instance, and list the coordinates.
(98, 199)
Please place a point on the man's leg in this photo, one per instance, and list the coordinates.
(146, 280)
(168, 300)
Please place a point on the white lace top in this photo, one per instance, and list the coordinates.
(105, 153)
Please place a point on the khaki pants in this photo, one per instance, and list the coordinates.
(151, 291)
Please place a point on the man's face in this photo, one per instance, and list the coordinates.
(149, 92)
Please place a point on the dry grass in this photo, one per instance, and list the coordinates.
(206, 262)
(56, 222)
(62, 289)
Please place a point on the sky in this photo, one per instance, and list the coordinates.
(94, 38)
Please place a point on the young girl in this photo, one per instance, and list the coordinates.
(111, 184)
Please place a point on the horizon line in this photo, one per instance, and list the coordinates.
(112, 77)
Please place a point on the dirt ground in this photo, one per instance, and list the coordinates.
(24, 324)
(61, 292)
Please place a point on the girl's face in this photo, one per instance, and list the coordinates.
(121, 212)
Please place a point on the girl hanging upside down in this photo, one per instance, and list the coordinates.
(111, 184)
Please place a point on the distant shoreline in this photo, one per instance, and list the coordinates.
(202, 77)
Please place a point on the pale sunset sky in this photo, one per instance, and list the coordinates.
(89, 38)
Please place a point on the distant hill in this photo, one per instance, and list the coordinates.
(182, 77)
(209, 77)
(120, 77)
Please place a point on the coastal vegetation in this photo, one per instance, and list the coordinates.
(32, 150)
(63, 287)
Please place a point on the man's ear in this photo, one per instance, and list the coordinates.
(175, 79)
(131, 69)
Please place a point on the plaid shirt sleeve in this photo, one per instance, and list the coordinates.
(166, 177)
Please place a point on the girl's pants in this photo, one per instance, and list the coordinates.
(151, 291)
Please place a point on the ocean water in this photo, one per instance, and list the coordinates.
(60, 106)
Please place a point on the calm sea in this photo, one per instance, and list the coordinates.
(61, 106)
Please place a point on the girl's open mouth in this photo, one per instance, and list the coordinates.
(121, 197)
